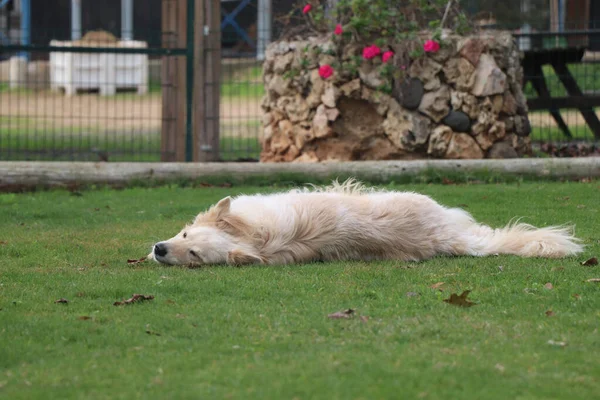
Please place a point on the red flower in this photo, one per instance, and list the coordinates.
(306, 9)
(387, 55)
(371, 52)
(431, 46)
(325, 71)
(338, 29)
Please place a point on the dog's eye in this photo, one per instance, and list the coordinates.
(184, 235)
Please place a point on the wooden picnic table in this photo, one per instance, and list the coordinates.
(559, 58)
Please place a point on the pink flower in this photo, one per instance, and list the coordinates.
(371, 52)
(387, 55)
(306, 9)
(338, 29)
(325, 71)
(431, 46)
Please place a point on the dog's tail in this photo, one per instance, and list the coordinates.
(524, 240)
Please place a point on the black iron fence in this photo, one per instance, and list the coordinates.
(191, 88)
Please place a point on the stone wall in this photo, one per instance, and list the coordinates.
(464, 101)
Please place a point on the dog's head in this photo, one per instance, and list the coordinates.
(215, 237)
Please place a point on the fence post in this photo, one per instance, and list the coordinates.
(207, 71)
(173, 81)
(189, 79)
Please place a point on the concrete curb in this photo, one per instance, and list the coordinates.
(25, 174)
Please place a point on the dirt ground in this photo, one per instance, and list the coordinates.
(124, 112)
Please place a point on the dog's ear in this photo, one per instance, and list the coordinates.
(222, 207)
(239, 257)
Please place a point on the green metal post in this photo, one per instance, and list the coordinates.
(189, 138)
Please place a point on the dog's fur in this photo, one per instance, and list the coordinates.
(349, 222)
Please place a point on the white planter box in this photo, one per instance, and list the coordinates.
(106, 72)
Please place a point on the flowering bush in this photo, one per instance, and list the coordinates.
(391, 30)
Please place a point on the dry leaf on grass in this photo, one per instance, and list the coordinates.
(577, 296)
(596, 280)
(134, 299)
(548, 286)
(3, 242)
(149, 332)
(460, 301)
(437, 285)
(591, 262)
(62, 301)
(364, 318)
(342, 314)
(134, 261)
(549, 313)
(412, 294)
(85, 317)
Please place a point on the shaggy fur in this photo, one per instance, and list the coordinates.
(348, 222)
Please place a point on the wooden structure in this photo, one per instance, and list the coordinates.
(205, 78)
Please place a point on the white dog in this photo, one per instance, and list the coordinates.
(348, 222)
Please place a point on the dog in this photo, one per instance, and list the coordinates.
(348, 221)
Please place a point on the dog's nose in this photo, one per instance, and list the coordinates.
(160, 249)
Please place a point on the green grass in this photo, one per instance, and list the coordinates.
(586, 75)
(262, 332)
(22, 139)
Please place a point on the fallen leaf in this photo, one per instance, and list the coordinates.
(80, 294)
(461, 300)
(581, 206)
(577, 296)
(436, 285)
(342, 314)
(364, 318)
(84, 317)
(501, 268)
(548, 286)
(566, 198)
(134, 299)
(499, 367)
(591, 262)
(96, 209)
(226, 185)
(446, 181)
(412, 294)
(557, 343)
(62, 301)
(3, 242)
(549, 313)
(149, 332)
(596, 280)
(133, 261)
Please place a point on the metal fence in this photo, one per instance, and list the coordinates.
(181, 80)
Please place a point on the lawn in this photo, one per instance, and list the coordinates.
(263, 332)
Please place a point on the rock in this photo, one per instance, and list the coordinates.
(409, 93)
(471, 50)
(291, 154)
(280, 140)
(433, 84)
(332, 113)
(358, 119)
(497, 102)
(279, 85)
(426, 69)
(447, 50)
(370, 75)
(483, 123)
(489, 79)
(320, 123)
(502, 150)
(277, 48)
(458, 121)
(317, 88)
(436, 104)
(296, 108)
(493, 134)
(407, 130)
(351, 89)
(335, 148)
(522, 125)
(301, 136)
(460, 72)
(326, 59)
(381, 100)
(377, 148)
(439, 141)
(509, 104)
(463, 146)
(282, 63)
(308, 156)
(330, 96)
